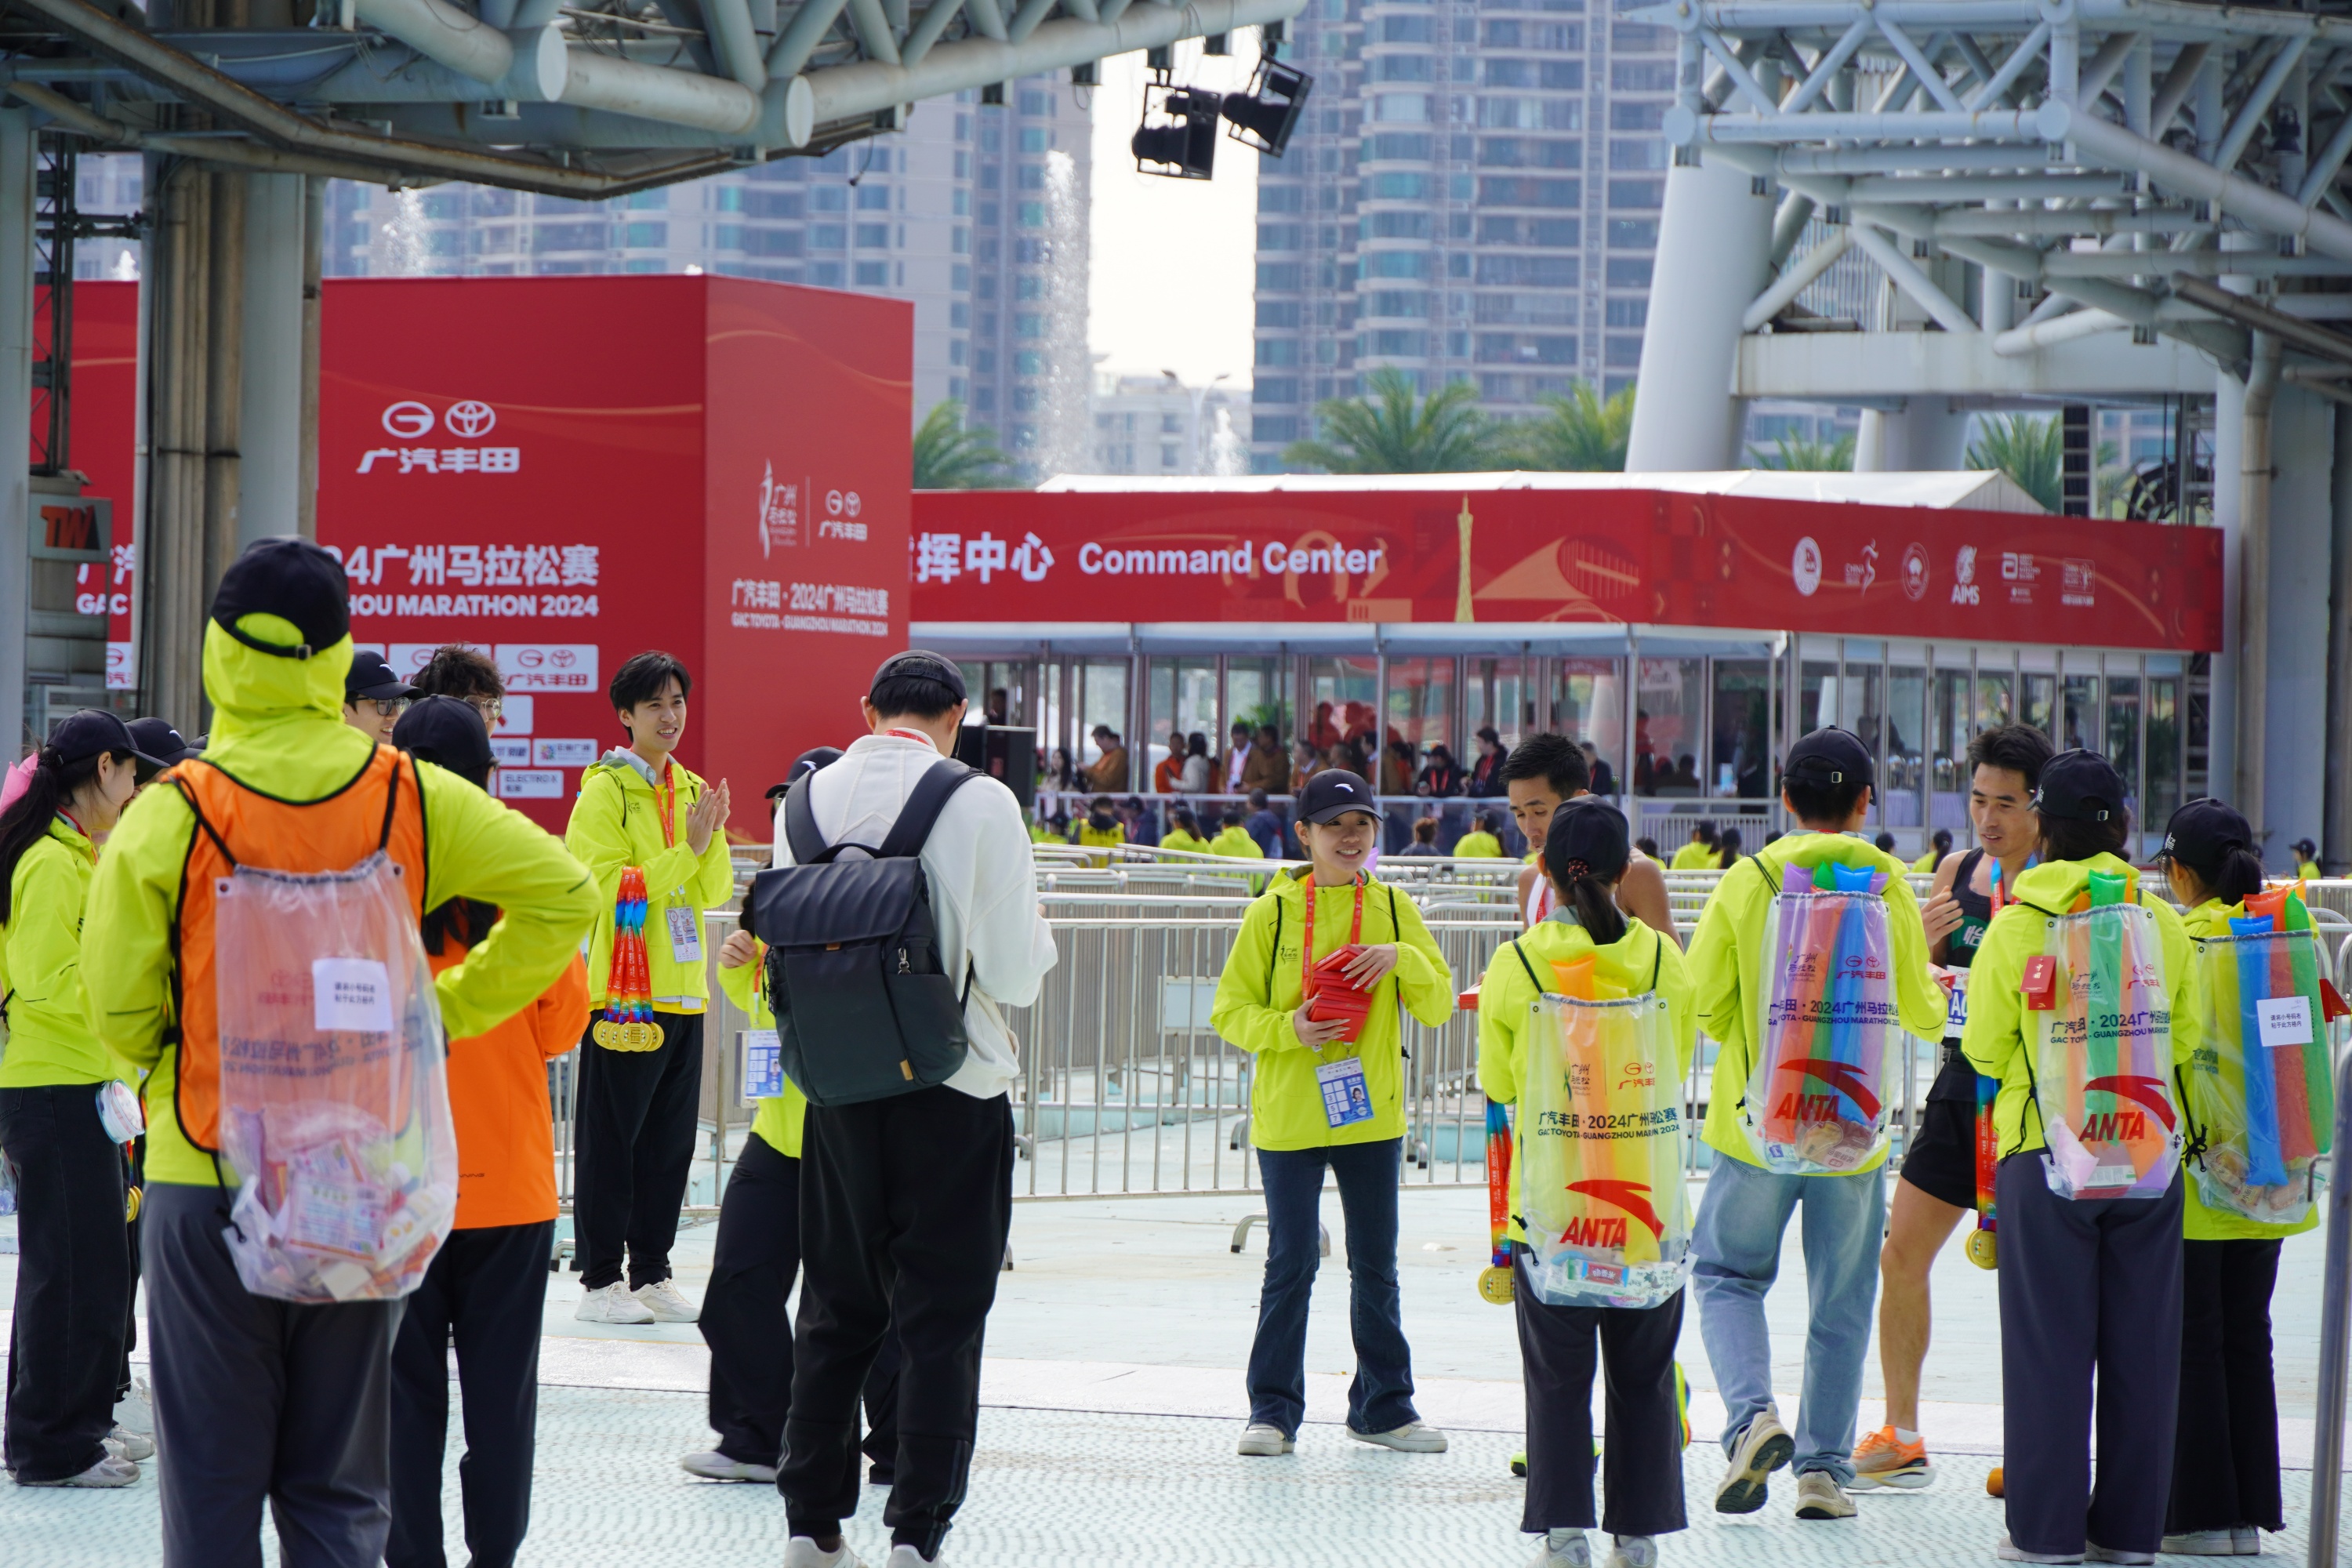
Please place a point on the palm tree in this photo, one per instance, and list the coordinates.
(1398, 431)
(948, 457)
(2023, 448)
(1803, 452)
(1582, 433)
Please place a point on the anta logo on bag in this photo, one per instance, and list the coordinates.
(2115, 1127)
(1844, 1078)
(1600, 1230)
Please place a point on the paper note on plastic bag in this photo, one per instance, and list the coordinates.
(351, 995)
(2286, 1021)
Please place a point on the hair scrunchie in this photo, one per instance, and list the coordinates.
(1575, 871)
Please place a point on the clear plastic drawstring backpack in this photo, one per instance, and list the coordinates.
(334, 1098)
(2100, 1054)
(1601, 1147)
(2261, 1105)
(1829, 1036)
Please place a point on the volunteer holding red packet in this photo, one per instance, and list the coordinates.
(1327, 961)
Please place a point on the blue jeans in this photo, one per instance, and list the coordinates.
(1736, 1245)
(1380, 1398)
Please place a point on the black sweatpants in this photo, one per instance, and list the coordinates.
(136, 1166)
(257, 1399)
(73, 1280)
(1644, 1461)
(636, 1112)
(2086, 1287)
(2225, 1454)
(746, 1323)
(905, 1207)
(486, 1289)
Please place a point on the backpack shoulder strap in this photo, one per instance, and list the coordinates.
(913, 828)
(801, 833)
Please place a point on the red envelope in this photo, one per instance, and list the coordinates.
(1331, 996)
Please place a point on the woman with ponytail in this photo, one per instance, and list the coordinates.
(2225, 1454)
(1587, 936)
(73, 1272)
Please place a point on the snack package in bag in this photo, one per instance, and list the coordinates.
(1600, 1153)
(1829, 1034)
(2102, 1056)
(2260, 1104)
(335, 1095)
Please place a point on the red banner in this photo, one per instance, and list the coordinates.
(1523, 555)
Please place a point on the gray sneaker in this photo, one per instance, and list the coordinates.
(125, 1444)
(110, 1471)
(714, 1466)
(1764, 1446)
(1412, 1437)
(1820, 1496)
(1264, 1440)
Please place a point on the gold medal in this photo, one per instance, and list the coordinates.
(1983, 1249)
(618, 1037)
(1494, 1285)
(131, 1207)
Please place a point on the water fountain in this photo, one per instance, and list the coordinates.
(1228, 454)
(1065, 414)
(401, 238)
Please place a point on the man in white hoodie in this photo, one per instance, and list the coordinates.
(906, 1203)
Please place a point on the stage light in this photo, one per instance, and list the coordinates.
(1265, 116)
(1177, 137)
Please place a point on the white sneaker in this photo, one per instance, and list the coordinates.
(134, 1412)
(1412, 1437)
(2247, 1539)
(109, 1471)
(611, 1304)
(801, 1551)
(662, 1303)
(907, 1557)
(125, 1444)
(1264, 1440)
(714, 1466)
(1562, 1549)
(1633, 1551)
(2011, 1551)
(2244, 1541)
(2094, 1553)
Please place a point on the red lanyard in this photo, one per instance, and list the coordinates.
(667, 797)
(1307, 951)
(914, 735)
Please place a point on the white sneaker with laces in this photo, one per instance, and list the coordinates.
(611, 1304)
(1562, 1549)
(803, 1552)
(663, 1302)
(109, 1471)
(903, 1556)
(1633, 1551)
(125, 1444)
(1264, 1440)
(2011, 1551)
(1412, 1437)
(714, 1466)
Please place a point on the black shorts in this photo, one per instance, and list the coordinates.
(1942, 1160)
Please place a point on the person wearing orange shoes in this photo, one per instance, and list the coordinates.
(486, 1288)
(1937, 1186)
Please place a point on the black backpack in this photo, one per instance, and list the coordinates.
(864, 1010)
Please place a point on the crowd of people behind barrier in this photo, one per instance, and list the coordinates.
(230, 967)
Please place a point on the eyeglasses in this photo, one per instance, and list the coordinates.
(383, 707)
(490, 708)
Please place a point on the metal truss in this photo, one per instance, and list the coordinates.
(592, 100)
(2107, 158)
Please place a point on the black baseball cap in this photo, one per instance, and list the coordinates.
(294, 580)
(446, 731)
(1828, 756)
(807, 762)
(158, 741)
(926, 666)
(1592, 831)
(95, 732)
(2203, 833)
(2080, 787)
(1332, 794)
(371, 676)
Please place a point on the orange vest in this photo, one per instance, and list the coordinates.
(497, 1097)
(381, 809)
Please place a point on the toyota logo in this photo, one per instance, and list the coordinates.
(470, 418)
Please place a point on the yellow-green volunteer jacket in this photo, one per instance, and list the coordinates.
(1697, 857)
(778, 1120)
(1995, 1040)
(1728, 967)
(1261, 988)
(1478, 847)
(1185, 843)
(1236, 843)
(50, 1039)
(616, 823)
(278, 728)
(2199, 1223)
(1507, 997)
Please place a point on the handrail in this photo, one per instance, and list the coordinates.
(2327, 1433)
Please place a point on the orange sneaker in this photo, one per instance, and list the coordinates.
(1883, 1459)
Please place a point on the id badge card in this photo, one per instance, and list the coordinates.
(763, 1067)
(1956, 1005)
(1345, 1098)
(685, 933)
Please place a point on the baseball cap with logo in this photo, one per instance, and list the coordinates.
(1332, 794)
(2079, 786)
(807, 762)
(2203, 833)
(294, 580)
(371, 676)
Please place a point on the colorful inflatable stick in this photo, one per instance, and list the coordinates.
(1495, 1280)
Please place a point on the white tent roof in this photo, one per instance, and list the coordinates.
(1975, 491)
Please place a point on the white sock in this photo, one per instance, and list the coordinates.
(1904, 1434)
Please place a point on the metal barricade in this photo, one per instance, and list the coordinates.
(2328, 1427)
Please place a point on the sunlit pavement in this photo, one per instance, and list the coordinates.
(1112, 1404)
